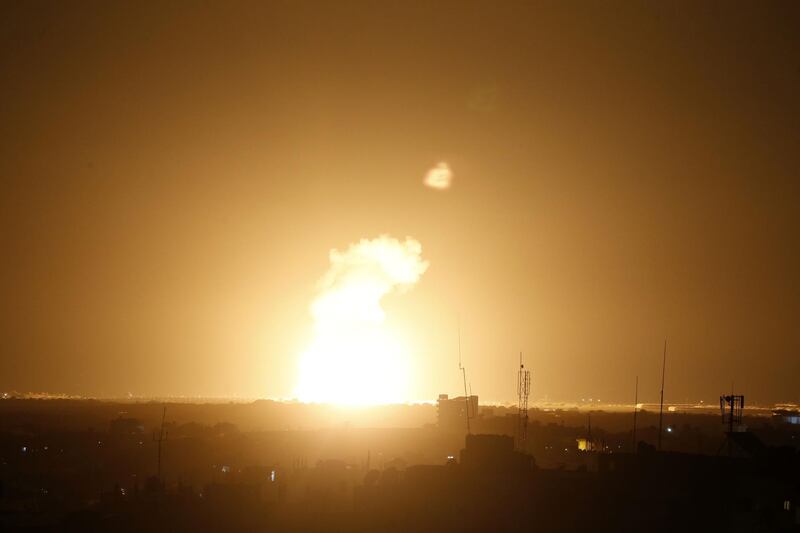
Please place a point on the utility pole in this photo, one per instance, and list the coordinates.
(162, 436)
(661, 407)
(635, 410)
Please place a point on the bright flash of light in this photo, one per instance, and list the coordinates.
(439, 177)
(353, 358)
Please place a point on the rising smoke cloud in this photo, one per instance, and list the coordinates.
(361, 276)
(352, 357)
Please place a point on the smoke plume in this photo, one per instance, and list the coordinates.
(352, 358)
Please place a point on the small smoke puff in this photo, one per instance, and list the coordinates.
(439, 177)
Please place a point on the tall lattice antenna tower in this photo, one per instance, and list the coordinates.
(732, 408)
(523, 390)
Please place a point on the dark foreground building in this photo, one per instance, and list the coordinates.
(495, 488)
(221, 479)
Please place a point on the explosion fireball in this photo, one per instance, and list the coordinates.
(353, 358)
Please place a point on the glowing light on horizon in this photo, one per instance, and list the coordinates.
(353, 358)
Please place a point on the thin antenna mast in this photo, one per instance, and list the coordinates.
(661, 407)
(635, 409)
(464, 376)
(162, 436)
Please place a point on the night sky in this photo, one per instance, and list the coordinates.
(174, 175)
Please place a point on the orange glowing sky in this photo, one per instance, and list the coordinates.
(174, 181)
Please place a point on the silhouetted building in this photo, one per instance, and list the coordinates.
(787, 416)
(496, 453)
(452, 412)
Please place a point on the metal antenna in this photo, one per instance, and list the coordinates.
(464, 375)
(661, 407)
(162, 436)
(635, 409)
(732, 419)
(523, 389)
